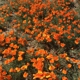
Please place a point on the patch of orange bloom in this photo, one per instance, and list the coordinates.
(4, 75)
(9, 60)
(21, 41)
(44, 75)
(41, 52)
(45, 22)
(69, 65)
(25, 74)
(64, 78)
(24, 67)
(7, 40)
(64, 71)
(38, 63)
(2, 37)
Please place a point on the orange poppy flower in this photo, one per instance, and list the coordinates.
(64, 78)
(0, 30)
(18, 25)
(4, 73)
(69, 27)
(64, 55)
(56, 36)
(69, 37)
(13, 38)
(2, 37)
(11, 70)
(27, 30)
(33, 60)
(55, 58)
(51, 60)
(30, 51)
(20, 58)
(41, 52)
(24, 10)
(20, 53)
(48, 38)
(15, 46)
(25, 74)
(24, 16)
(50, 78)
(13, 58)
(11, 32)
(11, 44)
(24, 21)
(69, 65)
(13, 52)
(17, 69)
(51, 67)
(24, 67)
(0, 8)
(53, 75)
(7, 61)
(79, 66)
(76, 42)
(39, 75)
(62, 44)
(8, 77)
(14, 21)
(7, 39)
(0, 68)
(67, 58)
(38, 64)
(21, 41)
(78, 25)
(64, 71)
(74, 60)
(6, 51)
(49, 56)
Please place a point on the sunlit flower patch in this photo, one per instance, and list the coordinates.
(43, 40)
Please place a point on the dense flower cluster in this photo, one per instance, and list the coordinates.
(52, 23)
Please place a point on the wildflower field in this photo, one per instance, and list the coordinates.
(39, 40)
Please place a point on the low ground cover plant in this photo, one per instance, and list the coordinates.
(39, 40)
